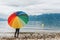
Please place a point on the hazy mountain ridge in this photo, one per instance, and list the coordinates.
(48, 20)
(2, 19)
(42, 17)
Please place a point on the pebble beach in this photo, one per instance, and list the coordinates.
(31, 36)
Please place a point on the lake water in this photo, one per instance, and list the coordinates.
(32, 26)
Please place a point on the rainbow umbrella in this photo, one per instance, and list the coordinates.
(18, 19)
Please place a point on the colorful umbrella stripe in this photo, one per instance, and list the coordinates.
(18, 19)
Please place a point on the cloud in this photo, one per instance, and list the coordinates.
(31, 7)
(19, 2)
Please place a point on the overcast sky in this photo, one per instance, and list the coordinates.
(31, 7)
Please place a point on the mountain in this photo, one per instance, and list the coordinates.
(48, 20)
(2, 19)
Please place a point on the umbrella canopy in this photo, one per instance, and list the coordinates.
(18, 19)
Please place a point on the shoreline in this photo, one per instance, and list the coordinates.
(31, 35)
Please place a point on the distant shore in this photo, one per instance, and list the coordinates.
(31, 35)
